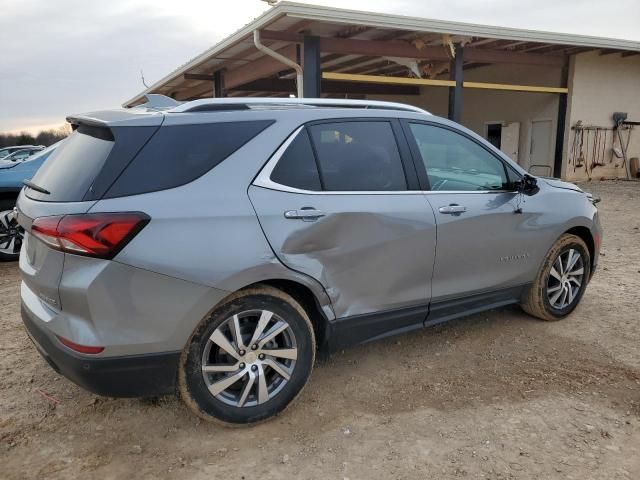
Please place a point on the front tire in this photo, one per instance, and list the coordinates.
(561, 281)
(249, 359)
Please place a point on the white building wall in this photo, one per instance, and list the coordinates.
(600, 85)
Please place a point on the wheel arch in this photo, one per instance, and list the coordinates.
(307, 300)
(585, 235)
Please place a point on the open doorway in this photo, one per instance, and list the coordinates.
(494, 133)
(505, 136)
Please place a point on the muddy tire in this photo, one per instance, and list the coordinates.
(561, 280)
(249, 359)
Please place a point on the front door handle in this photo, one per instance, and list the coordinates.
(306, 214)
(452, 209)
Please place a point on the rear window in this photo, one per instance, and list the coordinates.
(297, 167)
(73, 166)
(98, 162)
(179, 154)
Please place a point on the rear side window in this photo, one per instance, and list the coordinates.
(179, 154)
(358, 156)
(74, 165)
(297, 166)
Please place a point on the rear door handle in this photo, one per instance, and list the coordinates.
(306, 214)
(452, 209)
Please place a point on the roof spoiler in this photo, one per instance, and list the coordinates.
(76, 120)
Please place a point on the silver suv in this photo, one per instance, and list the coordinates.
(212, 247)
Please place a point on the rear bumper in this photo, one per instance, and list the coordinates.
(124, 376)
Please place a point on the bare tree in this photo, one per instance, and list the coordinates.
(44, 137)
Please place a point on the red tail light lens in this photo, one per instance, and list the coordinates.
(100, 235)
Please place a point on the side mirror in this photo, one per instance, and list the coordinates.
(527, 185)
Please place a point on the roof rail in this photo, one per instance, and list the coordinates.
(254, 103)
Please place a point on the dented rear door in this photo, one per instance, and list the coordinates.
(370, 252)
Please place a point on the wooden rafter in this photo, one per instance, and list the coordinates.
(484, 41)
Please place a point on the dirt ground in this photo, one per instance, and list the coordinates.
(495, 396)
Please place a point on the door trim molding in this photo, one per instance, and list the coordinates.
(369, 327)
(449, 309)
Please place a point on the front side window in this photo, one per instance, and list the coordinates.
(358, 156)
(456, 163)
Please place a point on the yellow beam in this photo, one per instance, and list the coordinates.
(517, 88)
(350, 77)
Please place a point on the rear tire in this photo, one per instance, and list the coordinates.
(254, 377)
(561, 280)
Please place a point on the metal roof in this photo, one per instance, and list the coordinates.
(328, 21)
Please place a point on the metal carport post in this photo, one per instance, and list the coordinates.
(455, 93)
(312, 73)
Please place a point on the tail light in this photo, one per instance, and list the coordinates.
(100, 235)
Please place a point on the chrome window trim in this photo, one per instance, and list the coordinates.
(264, 180)
(436, 192)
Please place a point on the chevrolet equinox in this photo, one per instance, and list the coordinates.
(211, 247)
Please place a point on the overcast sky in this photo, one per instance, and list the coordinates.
(69, 56)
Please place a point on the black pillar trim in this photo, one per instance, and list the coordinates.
(455, 93)
(561, 123)
(312, 74)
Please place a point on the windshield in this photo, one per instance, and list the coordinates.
(5, 152)
(44, 153)
(19, 156)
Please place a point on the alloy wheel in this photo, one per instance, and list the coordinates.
(11, 234)
(249, 358)
(565, 279)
